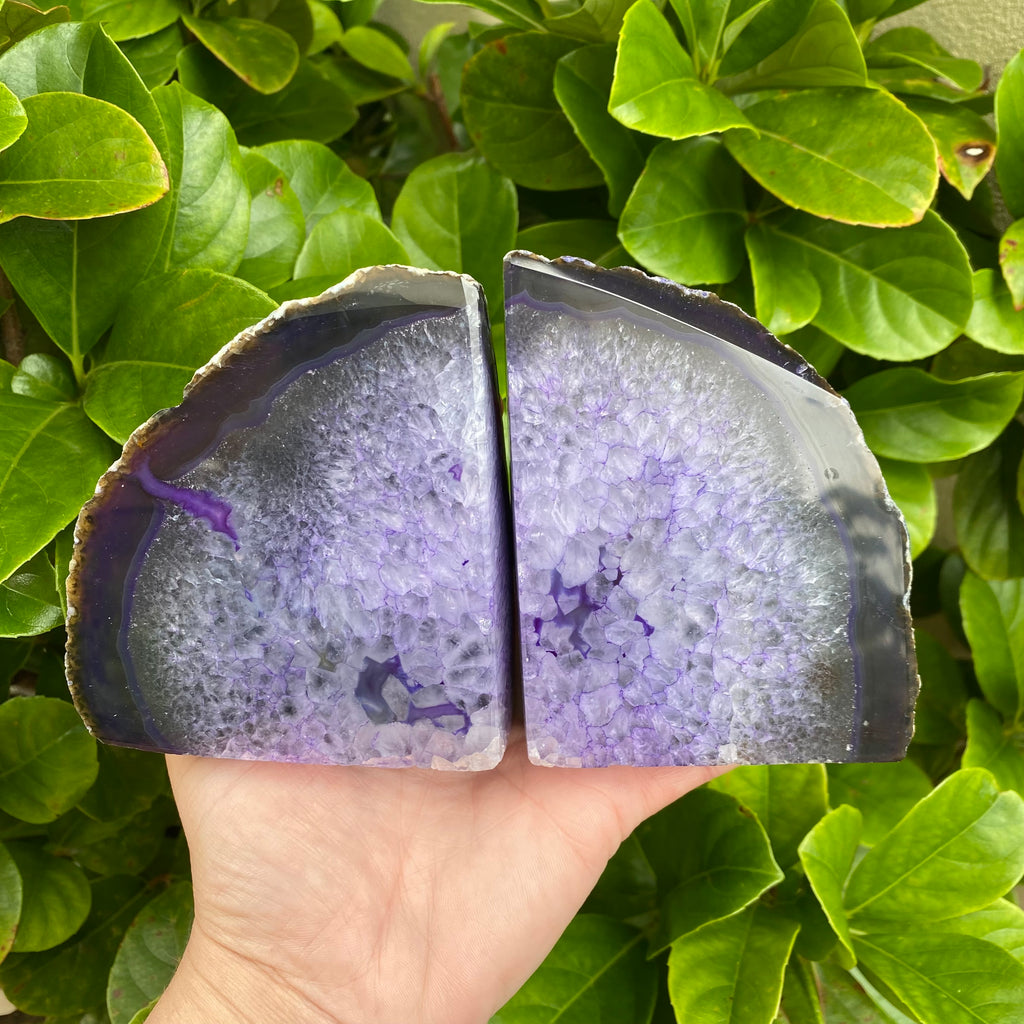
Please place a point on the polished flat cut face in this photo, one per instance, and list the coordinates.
(709, 568)
(325, 579)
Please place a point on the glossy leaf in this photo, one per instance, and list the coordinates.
(910, 486)
(150, 952)
(995, 322)
(800, 1000)
(773, 27)
(594, 240)
(128, 782)
(823, 52)
(263, 56)
(883, 793)
(29, 602)
(990, 745)
(596, 971)
(1011, 262)
(345, 241)
(11, 895)
(45, 377)
(310, 106)
(827, 853)
(894, 296)
(19, 19)
(908, 414)
(956, 979)
(964, 139)
(320, 179)
(1010, 126)
(988, 518)
(512, 115)
(55, 898)
(378, 52)
(73, 276)
(722, 865)
(130, 19)
(277, 228)
(993, 619)
(880, 169)
(686, 216)
(583, 80)
(171, 325)
(1001, 922)
(521, 14)
(910, 45)
(456, 212)
(47, 758)
(154, 57)
(594, 21)
(939, 715)
(71, 978)
(656, 89)
(210, 197)
(36, 436)
(627, 888)
(732, 970)
(12, 117)
(788, 800)
(913, 874)
(123, 846)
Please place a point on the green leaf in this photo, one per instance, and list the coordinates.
(261, 55)
(824, 52)
(12, 117)
(880, 169)
(827, 853)
(995, 322)
(596, 971)
(894, 296)
(595, 21)
(686, 216)
(456, 212)
(127, 783)
(911, 487)
(72, 978)
(993, 619)
(732, 970)
(774, 25)
(321, 180)
(844, 1000)
(303, 287)
(277, 228)
(64, 546)
(964, 139)
(966, 358)
(800, 1001)
(11, 897)
(990, 745)
(939, 716)
(583, 81)
(14, 655)
(327, 28)
(627, 888)
(150, 952)
(29, 602)
(378, 52)
(143, 1014)
(169, 326)
(821, 350)
(914, 874)
(656, 89)
(154, 57)
(35, 436)
(1001, 922)
(723, 863)
(883, 793)
(345, 241)
(79, 157)
(521, 14)
(45, 377)
(210, 218)
(955, 979)
(908, 45)
(908, 414)
(594, 240)
(1011, 262)
(55, 898)
(74, 276)
(18, 20)
(989, 520)
(429, 46)
(130, 19)
(47, 758)
(788, 800)
(512, 115)
(703, 25)
(1010, 128)
(309, 107)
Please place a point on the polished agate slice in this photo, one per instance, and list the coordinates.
(710, 568)
(307, 560)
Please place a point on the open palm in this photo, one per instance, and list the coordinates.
(366, 895)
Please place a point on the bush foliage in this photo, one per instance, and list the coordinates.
(171, 170)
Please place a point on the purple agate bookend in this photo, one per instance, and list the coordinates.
(710, 567)
(308, 559)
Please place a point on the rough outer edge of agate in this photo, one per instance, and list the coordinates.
(139, 437)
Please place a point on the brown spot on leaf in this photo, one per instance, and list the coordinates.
(499, 45)
(974, 152)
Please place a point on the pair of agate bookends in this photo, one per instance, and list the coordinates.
(315, 557)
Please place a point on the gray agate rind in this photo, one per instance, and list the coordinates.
(308, 559)
(710, 567)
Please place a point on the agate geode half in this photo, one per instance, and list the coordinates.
(311, 558)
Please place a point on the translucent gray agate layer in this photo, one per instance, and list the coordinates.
(710, 569)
